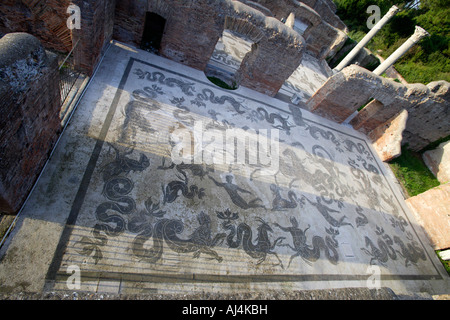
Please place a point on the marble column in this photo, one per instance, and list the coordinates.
(352, 54)
(418, 34)
(290, 21)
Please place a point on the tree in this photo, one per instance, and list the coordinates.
(430, 59)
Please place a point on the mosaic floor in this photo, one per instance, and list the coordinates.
(137, 207)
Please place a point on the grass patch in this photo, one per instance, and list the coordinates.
(445, 263)
(435, 144)
(412, 173)
(222, 84)
(365, 104)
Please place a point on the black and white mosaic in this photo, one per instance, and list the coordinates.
(143, 213)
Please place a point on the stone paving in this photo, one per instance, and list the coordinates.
(144, 195)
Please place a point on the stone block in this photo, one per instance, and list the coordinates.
(344, 93)
(438, 161)
(429, 116)
(445, 255)
(387, 138)
(388, 102)
(431, 210)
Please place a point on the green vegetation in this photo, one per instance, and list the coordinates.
(412, 173)
(444, 262)
(435, 144)
(222, 84)
(426, 62)
(365, 104)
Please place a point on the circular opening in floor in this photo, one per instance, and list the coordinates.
(231, 85)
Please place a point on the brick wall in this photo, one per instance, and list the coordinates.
(45, 19)
(129, 21)
(30, 123)
(325, 33)
(428, 106)
(96, 31)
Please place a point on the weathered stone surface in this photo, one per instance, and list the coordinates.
(438, 161)
(129, 20)
(192, 32)
(22, 58)
(166, 239)
(445, 255)
(427, 106)
(325, 294)
(376, 113)
(327, 9)
(193, 29)
(325, 33)
(29, 104)
(259, 73)
(44, 19)
(323, 8)
(258, 7)
(344, 93)
(95, 33)
(387, 138)
(431, 209)
(429, 116)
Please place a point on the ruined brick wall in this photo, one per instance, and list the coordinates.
(324, 41)
(129, 21)
(326, 9)
(44, 19)
(47, 20)
(192, 31)
(96, 32)
(428, 106)
(325, 34)
(429, 120)
(193, 28)
(30, 123)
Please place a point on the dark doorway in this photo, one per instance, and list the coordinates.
(153, 32)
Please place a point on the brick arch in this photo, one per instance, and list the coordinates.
(244, 28)
(194, 27)
(160, 7)
(56, 22)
